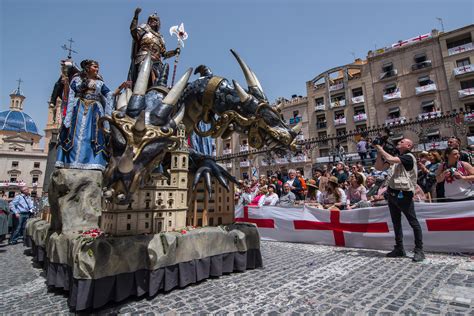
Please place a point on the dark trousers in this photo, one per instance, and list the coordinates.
(406, 206)
(363, 156)
(20, 228)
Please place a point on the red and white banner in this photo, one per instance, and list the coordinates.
(447, 227)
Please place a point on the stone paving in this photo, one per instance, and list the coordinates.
(297, 278)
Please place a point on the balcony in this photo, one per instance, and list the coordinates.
(338, 104)
(428, 115)
(295, 120)
(463, 71)
(320, 125)
(460, 49)
(340, 121)
(244, 148)
(281, 161)
(12, 184)
(319, 107)
(228, 165)
(245, 164)
(227, 151)
(359, 99)
(395, 121)
(336, 87)
(360, 117)
(421, 65)
(469, 117)
(466, 93)
(388, 74)
(299, 158)
(429, 88)
(396, 95)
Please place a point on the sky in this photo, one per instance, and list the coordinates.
(285, 42)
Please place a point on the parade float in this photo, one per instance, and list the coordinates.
(119, 194)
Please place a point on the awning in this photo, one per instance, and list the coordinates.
(391, 86)
(429, 103)
(394, 110)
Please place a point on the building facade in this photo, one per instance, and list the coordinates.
(23, 161)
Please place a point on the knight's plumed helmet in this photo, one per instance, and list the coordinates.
(154, 17)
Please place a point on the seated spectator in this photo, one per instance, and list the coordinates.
(373, 185)
(457, 176)
(274, 180)
(287, 198)
(334, 196)
(313, 191)
(356, 192)
(260, 194)
(246, 196)
(271, 198)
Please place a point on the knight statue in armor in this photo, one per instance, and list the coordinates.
(148, 39)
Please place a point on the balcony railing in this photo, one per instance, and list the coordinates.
(463, 70)
(469, 117)
(12, 184)
(359, 99)
(336, 87)
(319, 107)
(460, 49)
(421, 65)
(281, 161)
(395, 121)
(338, 103)
(428, 115)
(321, 125)
(299, 158)
(340, 121)
(396, 95)
(244, 148)
(295, 120)
(360, 117)
(433, 145)
(227, 151)
(429, 88)
(388, 74)
(469, 92)
(244, 164)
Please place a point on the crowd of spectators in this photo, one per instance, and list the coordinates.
(443, 175)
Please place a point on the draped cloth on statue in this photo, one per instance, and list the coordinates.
(203, 145)
(82, 143)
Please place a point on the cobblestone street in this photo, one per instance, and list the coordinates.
(296, 278)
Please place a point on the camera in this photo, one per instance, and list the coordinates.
(451, 171)
(386, 142)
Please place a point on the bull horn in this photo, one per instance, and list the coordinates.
(279, 106)
(258, 82)
(241, 92)
(128, 94)
(139, 125)
(141, 84)
(297, 128)
(175, 93)
(249, 76)
(179, 116)
(125, 164)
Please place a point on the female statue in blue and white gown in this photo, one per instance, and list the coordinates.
(82, 144)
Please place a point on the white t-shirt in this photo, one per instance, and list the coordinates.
(269, 199)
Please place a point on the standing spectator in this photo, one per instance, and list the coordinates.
(4, 212)
(317, 175)
(371, 150)
(22, 207)
(362, 150)
(295, 184)
(302, 181)
(271, 198)
(457, 176)
(246, 196)
(274, 180)
(287, 198)
(427, 173)
(455, 142)
(400, 192)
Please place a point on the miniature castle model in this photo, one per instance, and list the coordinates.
(160, 205)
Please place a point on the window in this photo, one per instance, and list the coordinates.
(13, 179)
(295, 113)
(175, 162)
(463, 62)
(469, 107)
(35, 179)
(339, 114)
(459, 41)
(419, 58)
(129, 216)
(324, 152)
(170, 223)
(219, 221)
(184, 162)
(387, 67)
(340, 131)
(432, 135)
(319, 101)
(394, 113)
(357, 92)
(211, 221)
(147, 206)
(129, 227)
(147, 225)
(428, 106)
(424, 80)
(467, 84)
(361, 127)
(359, 110)
(11, 194)
(15, 164)
(36, 165)
(322, 135)
(321, 121)
(390, 88)
(199, 221)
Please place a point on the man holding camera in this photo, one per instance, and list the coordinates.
(22, 208)
(401, 188)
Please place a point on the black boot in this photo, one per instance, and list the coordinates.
(419, 255)
(398, 251)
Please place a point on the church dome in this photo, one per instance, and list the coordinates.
(17, 121)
